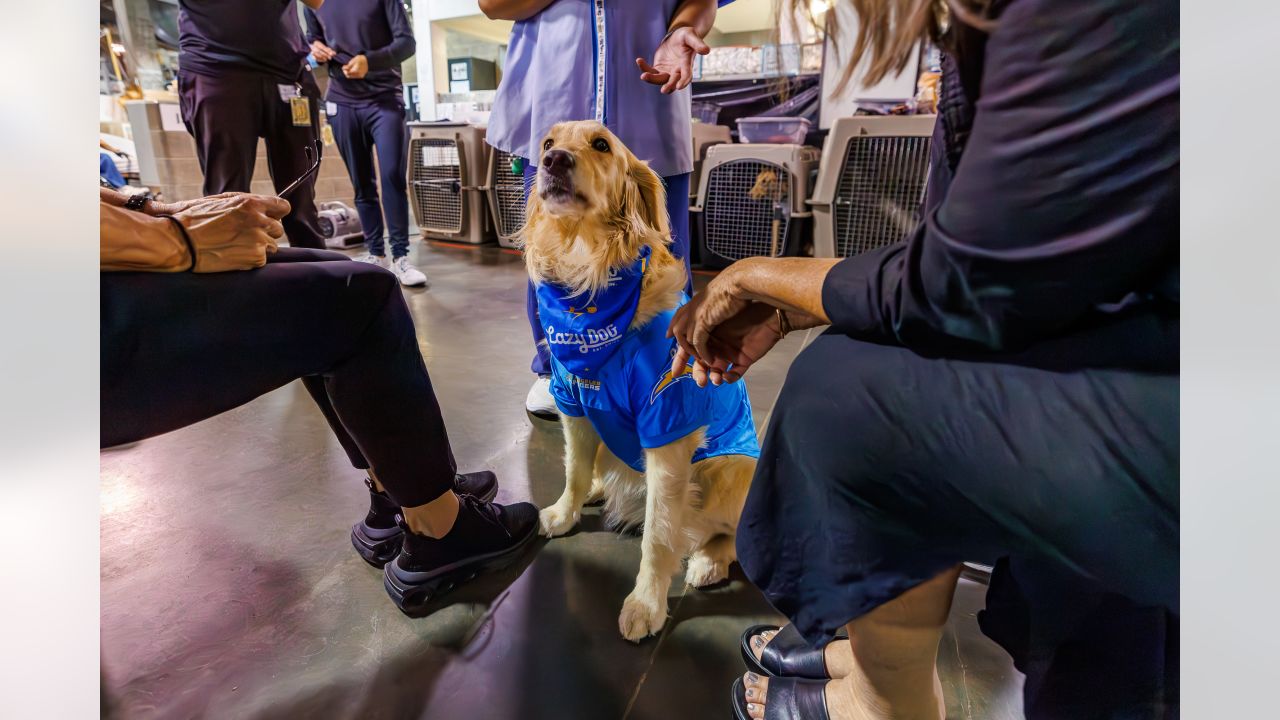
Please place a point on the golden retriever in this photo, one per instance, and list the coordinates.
(594, 208)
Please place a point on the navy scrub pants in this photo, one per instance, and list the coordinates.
(678, 210)
(178, 348)
(360, 130)
(227, 114)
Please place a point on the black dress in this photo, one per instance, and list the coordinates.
(1003, 385)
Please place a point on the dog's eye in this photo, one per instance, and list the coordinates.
(600, 144)
(546, 145)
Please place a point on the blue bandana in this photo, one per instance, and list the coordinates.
(583, 332)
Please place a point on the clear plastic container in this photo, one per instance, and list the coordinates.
(778, 130)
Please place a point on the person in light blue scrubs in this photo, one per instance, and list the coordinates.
(588, 60)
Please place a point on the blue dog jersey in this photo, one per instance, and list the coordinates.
(634, 404)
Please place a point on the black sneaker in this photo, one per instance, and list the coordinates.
(377, 538)
(486, 536)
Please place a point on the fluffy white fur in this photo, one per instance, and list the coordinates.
(686, 510)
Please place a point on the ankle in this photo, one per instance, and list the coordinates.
(435, 519)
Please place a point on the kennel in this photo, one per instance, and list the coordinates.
(506, 195)
(751, 201)
(871, 183)
(704, 136)
(447, 164)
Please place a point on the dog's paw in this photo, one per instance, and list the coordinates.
(706, 570)
(641, 617)
(556, 520)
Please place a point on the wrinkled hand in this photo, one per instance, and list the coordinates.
(321, 52)
(672, 66)
(357, 68)
(232, 231)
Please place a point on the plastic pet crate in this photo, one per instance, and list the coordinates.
(506, 196)
(751, 201)
(780, 130)
(704, 136)
(446, 163)
(871, 185)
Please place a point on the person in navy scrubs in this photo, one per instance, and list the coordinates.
(1001, 386)
(242, 74)
(586, 60)
(364, 42)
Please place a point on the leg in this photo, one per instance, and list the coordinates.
(391, 138)
(222, 115)
(580, 445)
(895, 650)
(164, 368)
(709, 564)
(355, 144)
(955, 460)
(668, 475)
(678, 210)
(724, 482)
(288, 158)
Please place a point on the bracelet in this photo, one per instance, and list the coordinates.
(191, 248)
(784, 327)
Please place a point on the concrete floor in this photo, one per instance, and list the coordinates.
(230, 589)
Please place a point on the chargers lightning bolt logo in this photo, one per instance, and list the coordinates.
(666, 380)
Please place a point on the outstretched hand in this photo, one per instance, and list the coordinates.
(672, 66)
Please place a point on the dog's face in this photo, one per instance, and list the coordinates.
(583, 170)
(594, 205)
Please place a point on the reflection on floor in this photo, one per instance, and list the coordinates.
(230, 589)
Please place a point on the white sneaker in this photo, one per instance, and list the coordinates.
(539, 401)
(379, 260)
(409, 275)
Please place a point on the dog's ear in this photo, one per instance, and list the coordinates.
(645, 199)
(526, 238)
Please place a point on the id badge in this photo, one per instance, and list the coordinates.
(300, 107)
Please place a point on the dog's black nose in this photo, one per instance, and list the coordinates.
(557, 160)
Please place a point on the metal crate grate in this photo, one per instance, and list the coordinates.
(437, 184)
(881, 188)
(508, 189)
(745, 198)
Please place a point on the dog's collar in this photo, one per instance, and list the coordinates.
(584, 332)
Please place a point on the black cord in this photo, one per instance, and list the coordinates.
(191, 248)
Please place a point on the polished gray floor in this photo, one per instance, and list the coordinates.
(230, 590)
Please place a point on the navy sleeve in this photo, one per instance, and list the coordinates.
(402, 46)
(1065, 196)
(315, 31)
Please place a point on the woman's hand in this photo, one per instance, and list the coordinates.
(735, 321)
(232, 231)
(672, 66)
(321, 52)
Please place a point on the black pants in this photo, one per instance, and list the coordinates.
(227, 114)
(178, 348)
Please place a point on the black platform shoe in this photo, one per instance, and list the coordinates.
(378, 539)
(486, 536)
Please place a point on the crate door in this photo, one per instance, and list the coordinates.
(880, 190)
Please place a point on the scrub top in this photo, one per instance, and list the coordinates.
(634, 404)
(576, 60)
